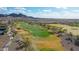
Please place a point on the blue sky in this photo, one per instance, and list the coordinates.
(44, 12)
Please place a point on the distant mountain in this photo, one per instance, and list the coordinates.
(13, 15)
(17, 15)
(25, 17)
(3, 15)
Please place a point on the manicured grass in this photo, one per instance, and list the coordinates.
(35, 30)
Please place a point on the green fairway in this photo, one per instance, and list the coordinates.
(34, 29)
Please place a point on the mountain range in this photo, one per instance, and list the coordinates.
(14, 15)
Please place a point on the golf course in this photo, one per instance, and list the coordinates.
(39, 36)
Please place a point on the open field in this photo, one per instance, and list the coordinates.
(73, 29)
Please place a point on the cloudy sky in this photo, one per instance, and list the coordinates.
(44, 12)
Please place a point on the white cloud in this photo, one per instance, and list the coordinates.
(3, 8)
(47, 10)
(20, 8)
(65, 14)
(75, 10)
(29, 10)
(45, 13)
(48, 13)
(62, 7)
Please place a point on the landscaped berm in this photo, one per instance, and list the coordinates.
(38, 36)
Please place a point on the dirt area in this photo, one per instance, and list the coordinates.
(52, 42)
(3, 40)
